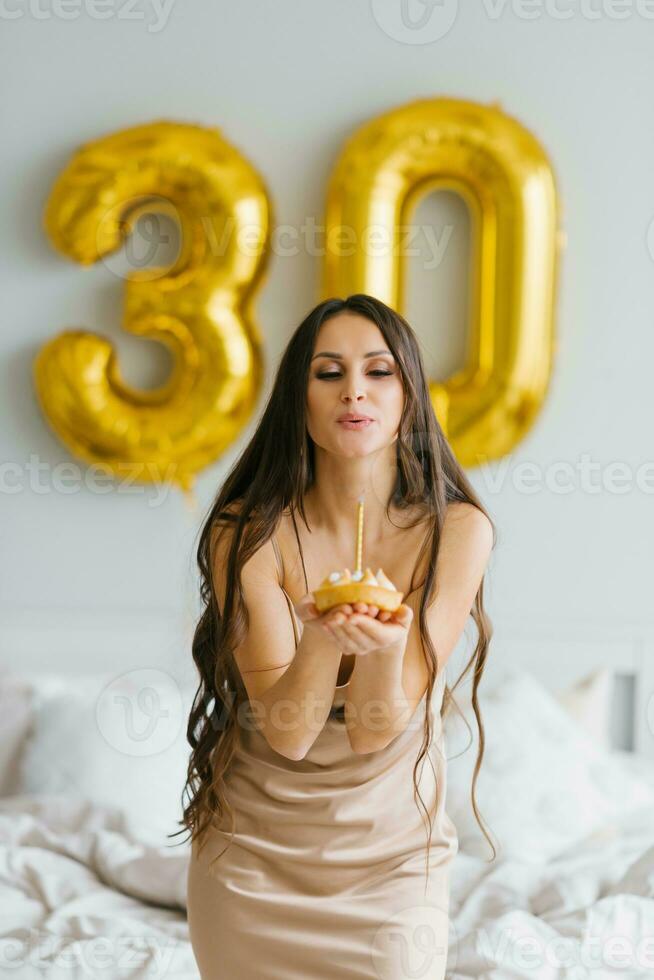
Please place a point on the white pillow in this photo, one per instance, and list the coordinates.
(543, 784)
(113, 740)
(589, 703)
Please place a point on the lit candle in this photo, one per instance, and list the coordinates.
(359, 555)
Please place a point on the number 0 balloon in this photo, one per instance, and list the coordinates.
(504, 176)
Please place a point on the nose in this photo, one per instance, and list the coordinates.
(352, 395)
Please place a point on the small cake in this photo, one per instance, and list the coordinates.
(346, 586)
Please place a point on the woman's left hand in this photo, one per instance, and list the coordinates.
(360, 629)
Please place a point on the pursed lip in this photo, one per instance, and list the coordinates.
(353, 417)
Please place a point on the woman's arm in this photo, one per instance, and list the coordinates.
(396, 679)
(290, 691)
(297, 705)
(376, 701)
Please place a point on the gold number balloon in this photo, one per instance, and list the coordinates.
(199, 308)
(504, 176)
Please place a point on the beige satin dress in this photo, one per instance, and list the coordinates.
(326, 876)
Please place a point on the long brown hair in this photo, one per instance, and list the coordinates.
(271, 475)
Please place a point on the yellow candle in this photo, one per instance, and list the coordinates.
(359, 555)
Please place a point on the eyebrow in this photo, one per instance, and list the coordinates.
(339, 357)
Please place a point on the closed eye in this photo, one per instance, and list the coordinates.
(327, 375)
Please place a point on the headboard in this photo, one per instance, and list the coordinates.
(557, 653)
(560, 653)
(87, 641)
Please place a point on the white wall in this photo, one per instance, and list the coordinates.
(287, 82)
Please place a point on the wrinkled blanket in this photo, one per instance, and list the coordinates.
(80, 898)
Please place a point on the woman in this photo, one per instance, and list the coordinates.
(311, 856)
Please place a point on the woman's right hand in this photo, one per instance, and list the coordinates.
(307, 612)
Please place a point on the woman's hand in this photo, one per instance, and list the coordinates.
(359, 628)
(308, 614)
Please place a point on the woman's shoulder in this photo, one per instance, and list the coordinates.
(223, 524)
(228, 515)
(467, 517)
(468, 531)
(230, 511)
(261, 561)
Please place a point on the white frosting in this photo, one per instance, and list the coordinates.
(367, 577)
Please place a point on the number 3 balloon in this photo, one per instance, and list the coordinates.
(198, 308)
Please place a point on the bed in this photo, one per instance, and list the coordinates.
(92, 763)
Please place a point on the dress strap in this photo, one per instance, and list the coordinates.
(299, 548)
(278, 557)
(280, 569)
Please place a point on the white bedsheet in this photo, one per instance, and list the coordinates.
(588, 913)
(81, 897)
